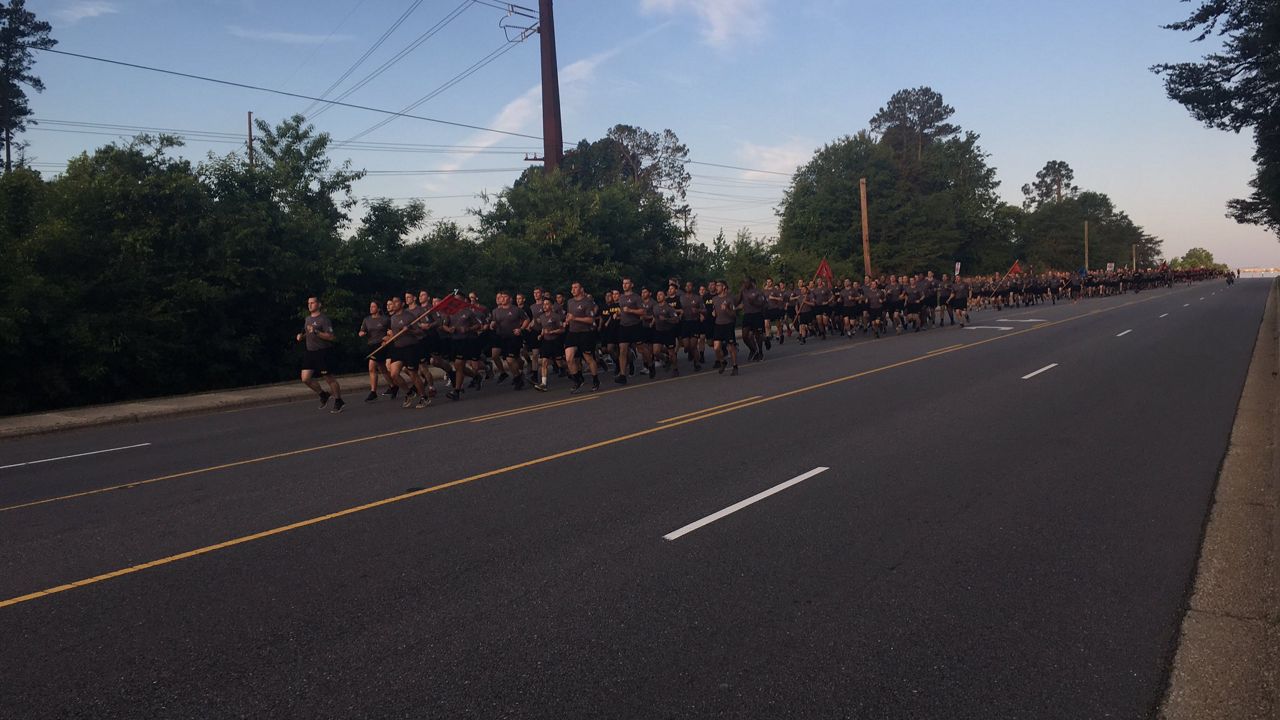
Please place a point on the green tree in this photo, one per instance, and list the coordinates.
(912, 119)
(1052, 183)
(20, 34)
(1237, 88)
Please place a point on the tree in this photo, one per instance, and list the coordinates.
(912, 119)
(1196, 257)
(297, 161)
(1235, 89)
(20, 34)
(1051, 183)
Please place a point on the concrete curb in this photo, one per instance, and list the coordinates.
(1227, 663)
(137, 411)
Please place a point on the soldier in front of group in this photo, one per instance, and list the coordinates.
(724, 336)
(317, 355)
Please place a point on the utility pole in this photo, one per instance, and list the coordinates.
(866, 229)
(1086, 246)
(1135, 257)
(251, 139)
(552, 133)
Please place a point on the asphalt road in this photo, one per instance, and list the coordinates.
(980, 545)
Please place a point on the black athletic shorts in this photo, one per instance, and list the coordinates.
(320, 361)
(958, 304)
(913, 308)
(551, 348)
(609, 334)
(631, 333)
(753, 321)
(724, 333)
(821, 309)
(806, 317)
(467, 348)
(509, 346)
(665, 338)
(378, 355)
(773, 314)
(690, 329)
(407, 355)
(584, 341)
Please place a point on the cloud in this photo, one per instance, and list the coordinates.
(784, 158)
(724, 21)
(83, 10)
(287, 38)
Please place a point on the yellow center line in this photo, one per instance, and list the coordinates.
(699, 412)
(518, 466)
(543, 406)
(950, 347)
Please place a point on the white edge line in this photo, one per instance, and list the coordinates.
(1186, 304)
(739, 505)
(1126, 332)
(1046, 368)
(68, 457)
(1165, 315)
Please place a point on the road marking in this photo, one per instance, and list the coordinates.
(1029, 320)
(1126, 332)
(1201, 298)
(1165, 315)
(68, 457)
(988, 327)
(1046, 368)
(949, 347)
(744, 503)
(699, 412)
(1186, 305)
(541, 406)
(510, 468)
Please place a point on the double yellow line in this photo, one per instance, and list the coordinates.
(669, 423)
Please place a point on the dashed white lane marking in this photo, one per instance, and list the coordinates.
(988, 327)
(1126, 332)
(1201, 298)
(1165, 315)
(739, 505)
(68, 457)
(1028, 320)
(1186, 304)
(1046, 368)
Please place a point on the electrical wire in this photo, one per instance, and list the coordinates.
(417, 42)
(377, 44)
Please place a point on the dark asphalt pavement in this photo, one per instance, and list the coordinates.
(982, 546)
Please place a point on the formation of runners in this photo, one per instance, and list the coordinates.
(534, 339)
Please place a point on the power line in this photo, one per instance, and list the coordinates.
(735, 167)
(246, 86)
(377, 44)
(418, 42)
(475, 67)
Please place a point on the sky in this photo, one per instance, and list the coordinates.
(755, 84)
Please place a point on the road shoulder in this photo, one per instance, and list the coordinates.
(1227, 661)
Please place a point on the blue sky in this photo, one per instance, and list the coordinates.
(752, 83)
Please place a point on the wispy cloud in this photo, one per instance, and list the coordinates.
(724, 21)
(783, 158)
(83, 10)
(289, 38)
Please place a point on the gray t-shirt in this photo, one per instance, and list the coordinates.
(312, 326)
(665, 317)
(464, 323)
(375, 328)
(725, 311)
(584, 312)
(629, 301)
(400, 321)
(507, 319)
(753, 301)
(690, 307)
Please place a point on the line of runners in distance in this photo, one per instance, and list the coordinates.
(559, 335)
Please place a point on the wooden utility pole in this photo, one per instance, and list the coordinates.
(552, 133)
(1135, 257)
(250, 138)
(1086, 246)
(866, 229)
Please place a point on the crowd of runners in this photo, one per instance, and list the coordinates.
(535, 338)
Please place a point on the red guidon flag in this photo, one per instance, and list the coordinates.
(450, 305)
(1015, 270)
(824, 271)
